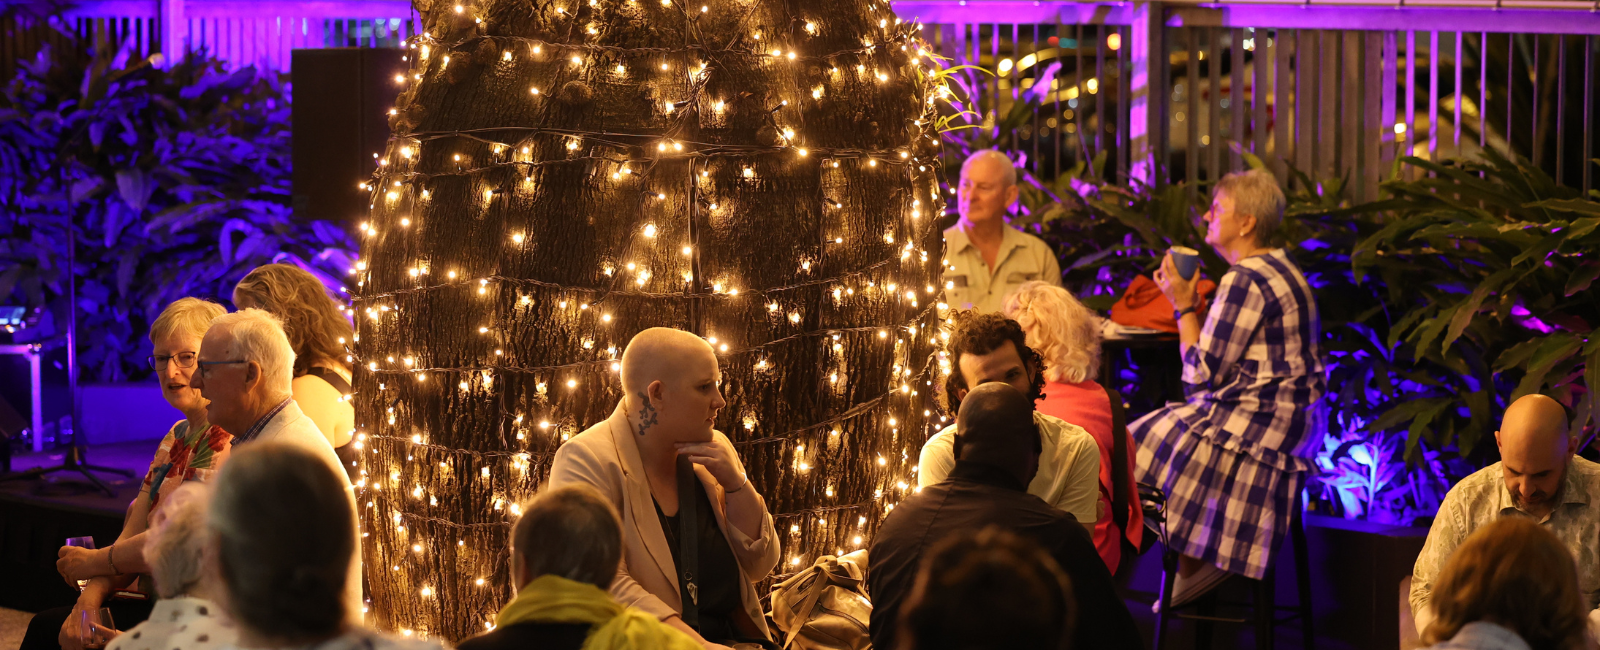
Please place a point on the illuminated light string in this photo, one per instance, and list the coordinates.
(434, 587)
(524, 282)
(859, 410)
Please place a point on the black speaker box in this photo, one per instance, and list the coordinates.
(342, 98)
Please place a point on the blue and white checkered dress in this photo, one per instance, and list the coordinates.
(1232, 458)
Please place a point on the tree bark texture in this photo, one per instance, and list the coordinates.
(565, 174)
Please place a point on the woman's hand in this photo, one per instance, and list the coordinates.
(719, 458)
(76, 564)
(1180, 292)
(68, 638)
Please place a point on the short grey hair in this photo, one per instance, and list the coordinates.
(175, 543)
(1005, 161)
(1257, 194)
(570, 531)
(258, 336)
(283, 536)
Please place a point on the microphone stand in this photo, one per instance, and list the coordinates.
(76, 458)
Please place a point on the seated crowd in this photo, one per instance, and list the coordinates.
(649, 533)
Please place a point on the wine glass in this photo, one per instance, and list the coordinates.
(81, 542)
(95, 628)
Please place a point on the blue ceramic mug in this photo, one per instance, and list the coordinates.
(1186, 260)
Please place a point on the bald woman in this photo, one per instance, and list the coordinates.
(1540, 478)
(672, 396)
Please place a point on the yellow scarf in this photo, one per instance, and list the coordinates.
(554, 599)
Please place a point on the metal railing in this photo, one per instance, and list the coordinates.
(238, 32)
(1181, 91)
(1174, 91)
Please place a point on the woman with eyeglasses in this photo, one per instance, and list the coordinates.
(193, 449)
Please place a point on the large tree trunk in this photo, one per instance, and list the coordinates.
(669, 171)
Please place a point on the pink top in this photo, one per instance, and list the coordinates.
(1088, 405)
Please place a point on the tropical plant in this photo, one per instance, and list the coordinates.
(174, 180)
(1505, 309)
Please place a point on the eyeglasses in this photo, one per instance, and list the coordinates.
(205, 366)
(160, 361)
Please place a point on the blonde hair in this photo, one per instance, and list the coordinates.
(1257, 194)
(1064, 331)
(187, 316)
(258, 336)
(1517, 575)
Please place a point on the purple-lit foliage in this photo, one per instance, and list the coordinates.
(1486, 271)
(176, 180)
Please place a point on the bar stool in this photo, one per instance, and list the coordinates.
(1263, 606)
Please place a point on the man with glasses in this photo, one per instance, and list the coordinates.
(244, 368)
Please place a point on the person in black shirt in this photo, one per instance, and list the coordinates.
(997, 451)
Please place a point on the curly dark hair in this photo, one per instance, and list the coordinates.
(311, 316)
(982, 333)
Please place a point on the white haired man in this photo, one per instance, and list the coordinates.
(984, 257)
(246, 367)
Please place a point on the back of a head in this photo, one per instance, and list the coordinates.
(311, 317)
(1515, 574)
(995, 426)
(283, 536)
(988, 590)
(571, 532)
(1061, 329)
(258, 336)
(175, 542)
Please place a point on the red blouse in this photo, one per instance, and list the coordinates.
(1088, 405)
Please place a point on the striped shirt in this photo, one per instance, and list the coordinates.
(1255, 379)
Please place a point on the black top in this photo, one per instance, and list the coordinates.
(719, 579)
(530, 636)
(972, 497)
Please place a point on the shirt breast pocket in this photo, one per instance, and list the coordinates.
(956, 292)
(1018, 277)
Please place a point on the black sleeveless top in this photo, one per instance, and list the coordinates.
(719, 571)
(346, 452)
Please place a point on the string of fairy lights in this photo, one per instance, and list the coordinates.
(506, 262)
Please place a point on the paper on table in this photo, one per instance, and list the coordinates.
(1113, 330)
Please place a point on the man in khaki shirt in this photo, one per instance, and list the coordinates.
(1539, 478)
(985, 258)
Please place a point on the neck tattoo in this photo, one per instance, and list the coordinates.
(647, 414)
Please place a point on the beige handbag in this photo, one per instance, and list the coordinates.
(825, 607)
